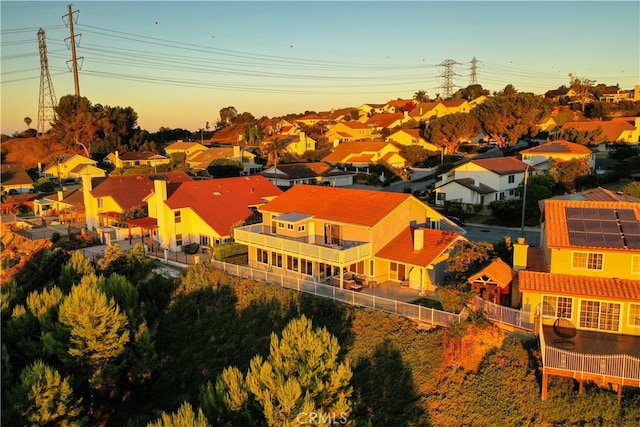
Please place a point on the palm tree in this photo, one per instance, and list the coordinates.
(28, 121)
(274, 150)
(421, 96)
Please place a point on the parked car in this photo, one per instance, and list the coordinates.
(458, 221)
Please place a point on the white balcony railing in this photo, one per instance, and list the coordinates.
(260, 236)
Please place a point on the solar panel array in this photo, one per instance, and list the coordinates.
(601, 227)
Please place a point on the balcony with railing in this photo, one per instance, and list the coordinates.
(345, 252)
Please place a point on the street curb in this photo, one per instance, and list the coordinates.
(501, 227)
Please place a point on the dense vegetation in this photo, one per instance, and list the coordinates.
(115, 343)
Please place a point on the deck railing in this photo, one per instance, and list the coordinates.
(309, 285)
(621, 366)
(502, 314)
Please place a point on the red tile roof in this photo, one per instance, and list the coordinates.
(399, 102)
(141, 155)
(503, 165)
(611, 130)
(346, 205)
(556, 218)
(401, 248)
(354, 124)
(345, 151)
(223, 202)
(559, 146)
(384, 120)
(567, 284)
(132, 190)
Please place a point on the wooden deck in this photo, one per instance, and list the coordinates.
(604, 358)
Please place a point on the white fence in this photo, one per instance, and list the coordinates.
(502, 314)
(621, 366)
(309, 285)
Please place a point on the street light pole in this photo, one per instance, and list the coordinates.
(524, 199)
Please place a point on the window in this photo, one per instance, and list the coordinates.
(512, 179)
(177, 217)
(587, 260)
(263, 256)
(604, 316)
(635, 264)
(281, 225)
(557, 307)
(442, 196)
(482, 200)
(289, 226)
(178, 239)
(100, 202)
(512, 192)
(301, 228)
(501, 195)
(634, 315)
(204, 240)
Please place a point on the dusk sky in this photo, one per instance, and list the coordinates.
(178, 63)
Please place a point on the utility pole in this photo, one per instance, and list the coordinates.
(72, 38)
(47, 100)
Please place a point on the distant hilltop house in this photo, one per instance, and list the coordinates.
(481, 181)
(619, 129)
(363, 153)
(72, 166)
(186, 148)
(14, 179)
(409, 137)
(349, 131)
(296, 144)
(136, 158)
(615, 94)
(559, 151)
(202, 159)
(317, 173)
(389, 121)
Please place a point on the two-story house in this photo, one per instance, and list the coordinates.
(348, 131)
(586, 302)
(389, 121)
(619, 129)
(481, 181)
(410, 137)
(320, 232)
(296, 144)
(72, 166)
(186, 148)
(316, 173)
(363, 153)
(206, 211)
(558, 150)
(14, 179)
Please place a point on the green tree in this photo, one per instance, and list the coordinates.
(77, 267)
(75, 123)
(301, 375)
(467, 258)
(98, 331)
(582, 137)
(509, 90)
(582, 89)
(41, 303)
(228, 115)
(274, 150)
(185, 416)
(221, 168)
(451, 130)
(566, 173)
(43, 185)
(507, 118)
(253, 134)
(43, 397)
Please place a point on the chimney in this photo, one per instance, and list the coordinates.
(236, 151)
(520, 249)
(160, 188)
(60, 196)
(418, 239)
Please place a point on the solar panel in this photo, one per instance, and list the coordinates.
(583, 225)
(629, 227)
(633, 241)
(627, 215)
(577, 238)
(600, 240)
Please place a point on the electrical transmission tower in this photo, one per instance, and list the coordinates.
(72, 38)
(47, 101)
(474, 72)
(447, 76)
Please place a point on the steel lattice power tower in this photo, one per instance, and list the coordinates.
(47, 102)
(474, 72)
(447, 76)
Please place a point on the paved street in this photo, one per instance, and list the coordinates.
(492, 233)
